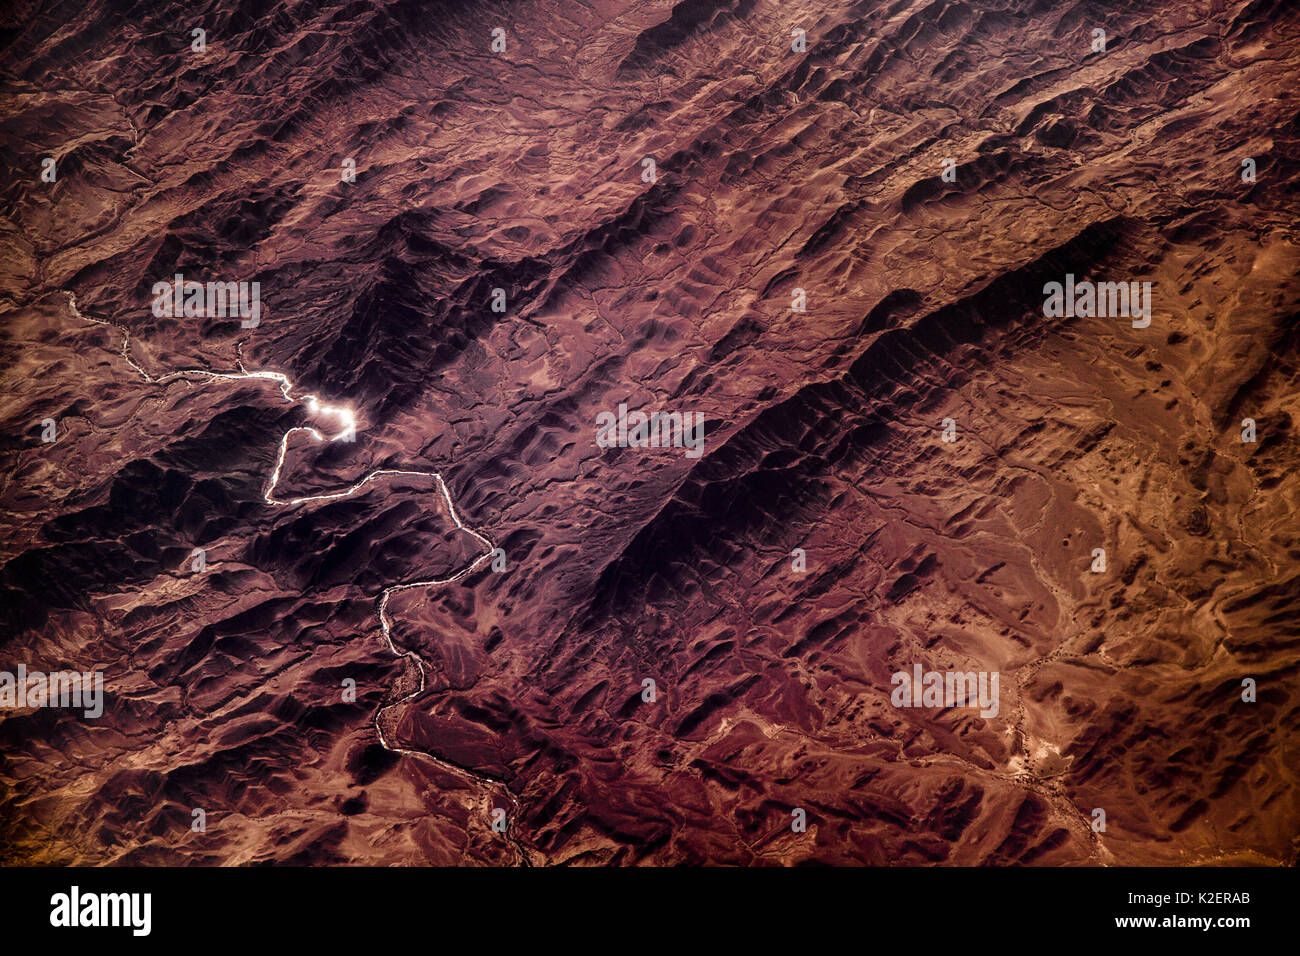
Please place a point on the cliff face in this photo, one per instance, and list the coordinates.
(831, 246)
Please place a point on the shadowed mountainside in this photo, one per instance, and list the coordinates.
(775, 171)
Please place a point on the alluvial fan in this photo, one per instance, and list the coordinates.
(731, 431)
